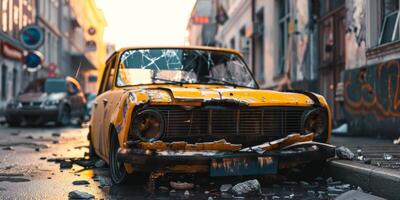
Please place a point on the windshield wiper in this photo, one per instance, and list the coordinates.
(168, 81)
(221, 81)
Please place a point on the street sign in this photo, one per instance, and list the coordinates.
(31, 37)
(33, 61)
(51, 71)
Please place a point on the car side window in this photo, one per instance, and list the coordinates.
(108, 76)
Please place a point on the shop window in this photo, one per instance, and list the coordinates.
(3, 82)
(390, 26)
(14, 82)
(284, 19)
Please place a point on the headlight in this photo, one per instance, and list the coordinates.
(149, 125)
(51, 102)
(315, 121)
(13, 104)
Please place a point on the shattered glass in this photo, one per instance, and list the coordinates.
(183, 66)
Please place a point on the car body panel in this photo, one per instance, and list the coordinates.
(118, 112)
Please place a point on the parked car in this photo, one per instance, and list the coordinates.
(45, 100)
(197, 110)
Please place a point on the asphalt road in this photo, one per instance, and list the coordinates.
(30, 169)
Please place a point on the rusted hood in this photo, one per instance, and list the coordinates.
(251, 97)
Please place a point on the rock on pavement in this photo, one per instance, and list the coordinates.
(76, 194)
(247, 188)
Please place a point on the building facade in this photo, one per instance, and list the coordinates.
(15, 14)
(73, 43)
(346, 50)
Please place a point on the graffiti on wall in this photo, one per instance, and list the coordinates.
(374, 89)
(355, 34)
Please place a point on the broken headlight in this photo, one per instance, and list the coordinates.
(315, 121)
(149, 125)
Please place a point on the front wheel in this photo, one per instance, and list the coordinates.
(118, 173)
(13, 123)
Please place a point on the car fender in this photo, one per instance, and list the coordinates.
(122, 118)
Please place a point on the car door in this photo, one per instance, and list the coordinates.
(100, 104)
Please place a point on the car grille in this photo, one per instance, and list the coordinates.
(33, 104)
(269, 121)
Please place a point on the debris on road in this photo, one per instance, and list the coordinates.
(247, 188)
(80, 182)
(396, 141)
(29, 137)
(13, 177)
(15, 133)
(8, 148)
(360, 155)
(225, 187)
(357, 195)
(104, 181)
(344, 153)
(56, 134)
(186, 193)
(387, 156)
(163, 189)
(65, 164)
(76, 194)
(342, 129)
(181, 185)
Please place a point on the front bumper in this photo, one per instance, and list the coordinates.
(220, 163)
(32, 115)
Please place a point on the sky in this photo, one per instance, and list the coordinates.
(146, 22)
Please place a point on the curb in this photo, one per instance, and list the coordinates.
(380, 181)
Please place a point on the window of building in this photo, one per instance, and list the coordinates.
(390, 26)
(4, 82)
(284, 20)
(244, 44)
(260, 46)
(232, 43)
(14, 82)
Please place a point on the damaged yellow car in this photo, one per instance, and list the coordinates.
(200, 110)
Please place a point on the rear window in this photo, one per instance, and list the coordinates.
(55, 85)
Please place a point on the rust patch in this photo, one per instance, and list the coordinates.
(220, 145)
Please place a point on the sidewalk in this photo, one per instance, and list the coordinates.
(374, 174)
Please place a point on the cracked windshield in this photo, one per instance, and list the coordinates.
(200, 99)
(146, 66)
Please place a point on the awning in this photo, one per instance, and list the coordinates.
(79, 59)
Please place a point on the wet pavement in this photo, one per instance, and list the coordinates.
(30, 161)
(371, 151)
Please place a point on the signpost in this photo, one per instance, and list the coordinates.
(33, 61)
(32, 37)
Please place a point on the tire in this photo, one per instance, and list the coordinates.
(13, 123)
(92, 152)
(65, 117)
(118, 173)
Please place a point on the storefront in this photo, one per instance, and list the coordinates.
(12, 73)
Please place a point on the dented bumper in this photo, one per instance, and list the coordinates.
(225, 163)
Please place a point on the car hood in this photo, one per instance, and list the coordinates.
(40, 97)
(248, 96)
